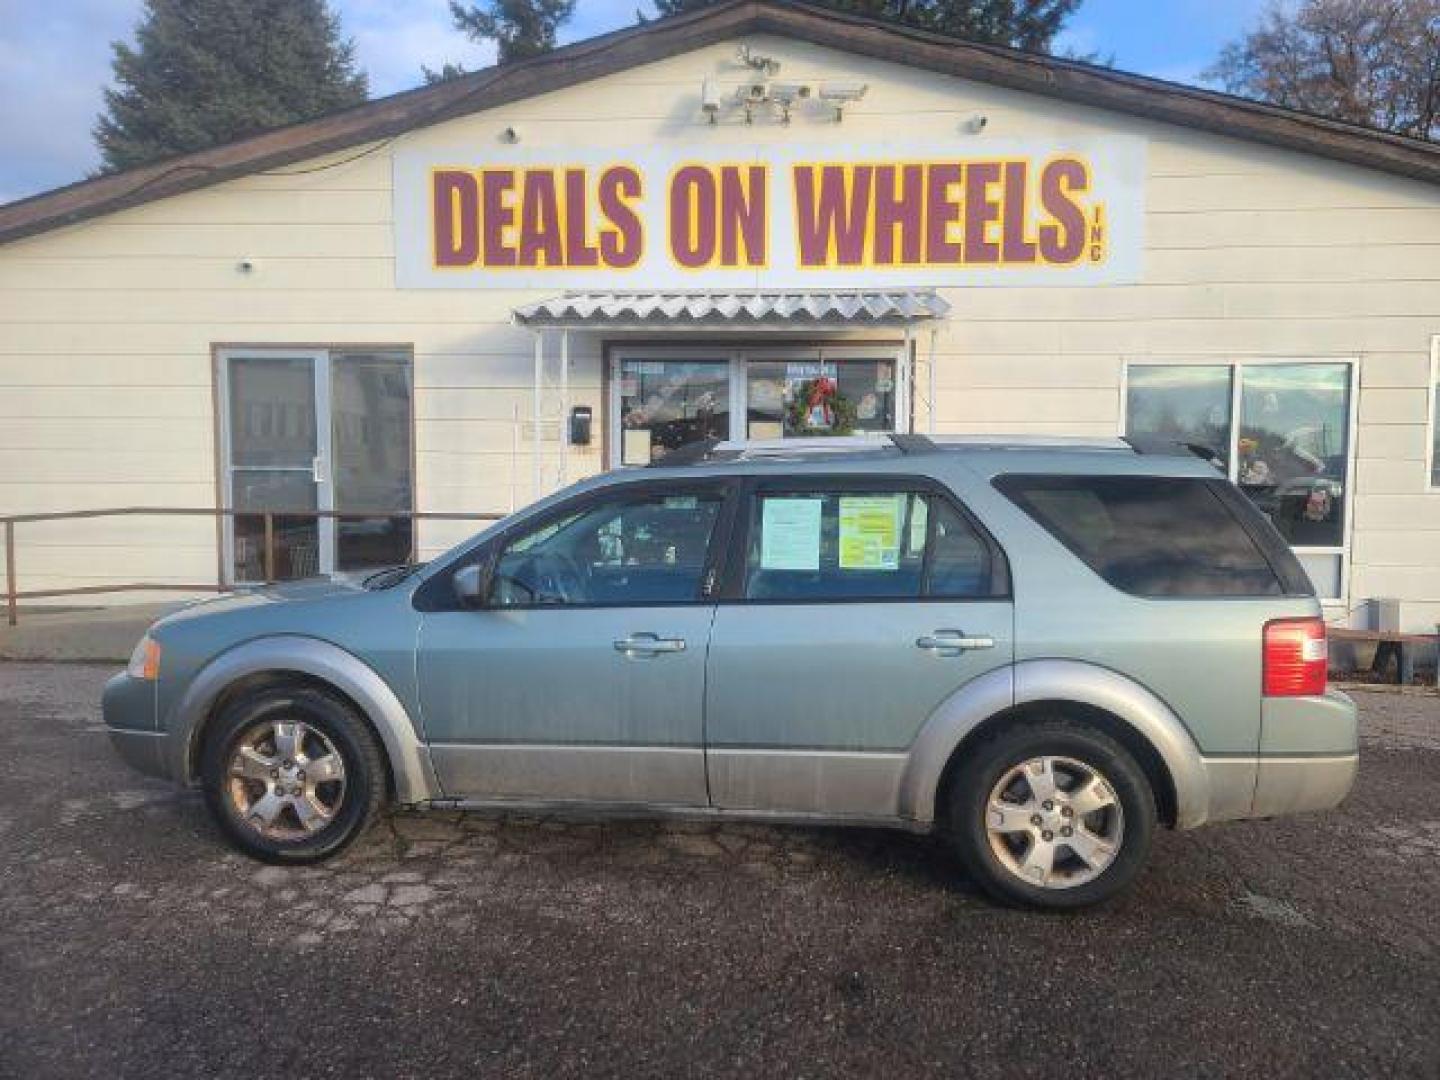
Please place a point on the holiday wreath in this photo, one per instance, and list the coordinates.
(818, 408)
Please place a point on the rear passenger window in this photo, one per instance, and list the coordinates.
(1151, 536)
(865, 545)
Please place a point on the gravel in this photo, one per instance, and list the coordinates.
(134, 943)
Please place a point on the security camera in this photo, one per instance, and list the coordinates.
(753, 93)
(763, 64)
(710, 99)
(976, 123)
(510, 135)
(839, 94)
(246, 266)
(785, 95)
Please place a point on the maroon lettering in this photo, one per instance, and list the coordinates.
(898, 206)
(1016, 246)
(981, 210)
(692, 217)
(541, 240)
(941, 211)
(499, 216)
(742, 216)
(621, 245)
(1062, 238)
(455, 218)
(831, 216)
(578, 251)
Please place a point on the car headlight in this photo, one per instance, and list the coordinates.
(145, 660)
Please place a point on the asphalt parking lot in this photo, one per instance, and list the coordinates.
(133, 943)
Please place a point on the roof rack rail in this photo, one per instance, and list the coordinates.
(1161, 446)
(913, 444)
(713, 449)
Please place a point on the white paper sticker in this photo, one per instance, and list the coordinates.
(635, 449)
(790, 534)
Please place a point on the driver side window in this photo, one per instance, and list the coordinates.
(648, 549)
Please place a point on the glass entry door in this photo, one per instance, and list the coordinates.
(315, 430)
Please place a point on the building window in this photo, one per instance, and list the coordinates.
(663, 399)
(665, 404)
(1283, 431)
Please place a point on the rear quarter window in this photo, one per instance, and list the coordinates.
(1155, 536)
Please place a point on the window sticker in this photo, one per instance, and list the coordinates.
(870, 531)
(635, 449)
(790, 534)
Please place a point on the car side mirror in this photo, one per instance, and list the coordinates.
(469, 584)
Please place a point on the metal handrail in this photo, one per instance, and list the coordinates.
(13, 594)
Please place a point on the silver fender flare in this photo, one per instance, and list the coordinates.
(1054, 680)
(409, 759)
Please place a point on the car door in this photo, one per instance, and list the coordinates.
(580, 675)
(851, 610)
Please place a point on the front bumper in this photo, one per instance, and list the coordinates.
(128, 707)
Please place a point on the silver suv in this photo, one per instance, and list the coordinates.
(1037, 649)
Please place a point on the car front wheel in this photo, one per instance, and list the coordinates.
(292, 774)
(1051, 814)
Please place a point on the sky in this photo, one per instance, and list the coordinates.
(55, 59)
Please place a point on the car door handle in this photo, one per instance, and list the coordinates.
(648, 644)
(952, 642)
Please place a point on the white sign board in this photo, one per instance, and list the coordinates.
(960, 212)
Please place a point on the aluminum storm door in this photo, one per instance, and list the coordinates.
(583, 676)
(851, 610)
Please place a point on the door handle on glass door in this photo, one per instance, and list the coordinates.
(952, 642)
(317, 469)
(647, 644)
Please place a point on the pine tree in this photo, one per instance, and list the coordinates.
(520, 28)
(1021, 24)
(204, 72)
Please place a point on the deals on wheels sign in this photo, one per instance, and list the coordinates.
(796, 217)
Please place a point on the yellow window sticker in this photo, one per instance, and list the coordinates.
(870, 531)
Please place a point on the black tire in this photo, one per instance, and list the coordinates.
(355, 807)
(984, 767)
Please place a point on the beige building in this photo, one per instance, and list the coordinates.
(758, 220)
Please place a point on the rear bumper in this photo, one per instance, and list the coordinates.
(1294, 785)
(1308, 759)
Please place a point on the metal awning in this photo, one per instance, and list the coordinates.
(789, 310)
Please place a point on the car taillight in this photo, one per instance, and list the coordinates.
(1296, 658)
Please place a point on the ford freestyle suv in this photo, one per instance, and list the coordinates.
(1039, 650)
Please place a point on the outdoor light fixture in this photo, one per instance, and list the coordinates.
(839, 94)
(510, 135)
(976, 123)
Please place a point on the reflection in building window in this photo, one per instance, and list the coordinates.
(665, 404)
(1292, 446)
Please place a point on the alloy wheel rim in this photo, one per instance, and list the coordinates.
(285, 779)
(1054, 822)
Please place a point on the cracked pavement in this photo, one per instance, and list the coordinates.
(135, 943)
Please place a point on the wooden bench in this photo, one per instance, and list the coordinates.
(1402, 647)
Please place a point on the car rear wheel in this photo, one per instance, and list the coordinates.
(292, 774)
(1051, 814)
